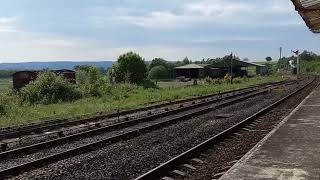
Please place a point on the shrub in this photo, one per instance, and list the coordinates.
(158, 72)
(49, 88)
(148, 84)
(237, 80)
(158, 62)
(209, 80)
(91, 82)
(6, 102)
(130, 68)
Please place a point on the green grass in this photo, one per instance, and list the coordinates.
(5, 84)
(131, 98)
(310, 67)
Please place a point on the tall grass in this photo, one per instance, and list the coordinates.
(120, 96)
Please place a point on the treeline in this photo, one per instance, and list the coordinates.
(131, 70)
(6, 73)
(309, 62)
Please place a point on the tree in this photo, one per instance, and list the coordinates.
(90, 80)
(308, 56)
(268, 58)
(158, 72)
(158, 62)
(186, 61)
(130, 67)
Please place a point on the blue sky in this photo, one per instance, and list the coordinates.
(46, 30)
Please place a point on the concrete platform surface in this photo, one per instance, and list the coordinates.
(290, 152)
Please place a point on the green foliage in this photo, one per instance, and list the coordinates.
(147, 83)
(158, 62)
(158, 72)
(49, 88)
(309, 62)
(310, 67)
(122, 96)
(208, 80)
(270, 68)
(7, 101)
(186, 61)
(130, 68)
(90, 81)
(237, 80)
(308, 56)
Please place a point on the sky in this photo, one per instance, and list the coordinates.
(46, 30)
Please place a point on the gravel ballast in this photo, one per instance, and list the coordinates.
(128, 159)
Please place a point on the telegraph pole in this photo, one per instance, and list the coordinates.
(231, 70)
(280, 58)
(298, 63)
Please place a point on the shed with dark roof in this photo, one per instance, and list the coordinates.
(193, 71)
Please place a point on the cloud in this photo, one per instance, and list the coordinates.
(204, 12)
(217, 7)
(230, 39)
(156, 19)
(7, 24)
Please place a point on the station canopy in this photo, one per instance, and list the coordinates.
(310, 13)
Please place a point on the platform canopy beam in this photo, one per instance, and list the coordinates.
(309, 10)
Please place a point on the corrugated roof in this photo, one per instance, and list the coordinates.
(192, 66)
(235, 63)
(310, 13)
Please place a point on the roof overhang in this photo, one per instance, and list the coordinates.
(309, 10)
(192, 66)
(225, 63)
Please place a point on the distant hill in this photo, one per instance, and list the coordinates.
(53, 65)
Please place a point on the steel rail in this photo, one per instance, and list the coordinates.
(14, 132)
(112, 127)
(166, 167)
(12, 171)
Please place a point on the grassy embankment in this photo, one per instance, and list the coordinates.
(5, 84)
(310, 67)
(125, 98)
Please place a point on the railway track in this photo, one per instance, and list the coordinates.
(129, 130)
(162, 112)
(195, 164)
(50, 125)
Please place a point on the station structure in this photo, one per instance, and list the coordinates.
(292, 150)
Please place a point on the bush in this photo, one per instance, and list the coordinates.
(91, 82)
(209, 80)
(149, 84)
(6, 102)
(237, 80)
(158, 72)
(130, 68)
(158, 62)
(49, 88)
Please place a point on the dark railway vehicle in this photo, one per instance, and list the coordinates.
(67, 74)
(22, 78)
